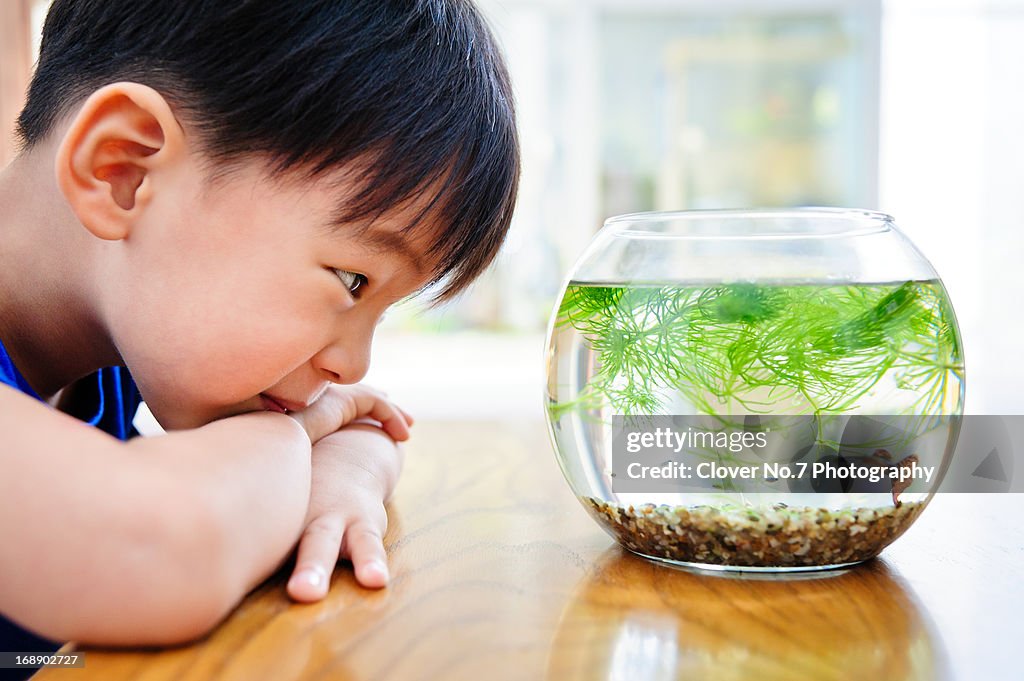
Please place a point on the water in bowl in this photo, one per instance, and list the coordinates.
(820, 349)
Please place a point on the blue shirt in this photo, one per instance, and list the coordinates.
(108, 400)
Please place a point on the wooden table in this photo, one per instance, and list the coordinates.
(498, 573)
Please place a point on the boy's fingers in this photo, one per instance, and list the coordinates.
(408, 417)
(318, 553)
(384, 397)
(391, 420)
(365, 549)
(365, 403)
(397, 427)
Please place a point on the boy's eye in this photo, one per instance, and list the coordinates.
(353, 282)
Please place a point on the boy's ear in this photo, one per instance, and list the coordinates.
(105, 164)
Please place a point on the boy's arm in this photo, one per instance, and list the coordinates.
(147, 542)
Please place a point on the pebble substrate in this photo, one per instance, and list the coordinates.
(778, 536)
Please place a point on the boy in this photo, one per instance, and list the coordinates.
(219, 200)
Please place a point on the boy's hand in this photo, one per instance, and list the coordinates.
(354, 472)
(340, 405)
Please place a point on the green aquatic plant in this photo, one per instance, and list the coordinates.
(763, 348)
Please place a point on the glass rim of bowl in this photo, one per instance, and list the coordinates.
(814, 223)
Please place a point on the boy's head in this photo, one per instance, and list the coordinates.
(249, 167)
(415, 90)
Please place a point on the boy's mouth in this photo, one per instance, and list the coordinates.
(270, 404)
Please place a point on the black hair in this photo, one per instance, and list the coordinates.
(418, 87)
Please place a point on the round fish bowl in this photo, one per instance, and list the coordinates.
(762, 390)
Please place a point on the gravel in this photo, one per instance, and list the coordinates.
(776, 536)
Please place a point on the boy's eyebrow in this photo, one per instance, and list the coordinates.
(392, 242)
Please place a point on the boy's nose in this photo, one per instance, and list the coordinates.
(346, 361)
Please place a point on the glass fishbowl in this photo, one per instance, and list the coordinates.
(758, 390)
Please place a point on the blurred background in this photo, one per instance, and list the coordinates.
(912, 107)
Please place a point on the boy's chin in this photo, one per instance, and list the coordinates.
(177, 417)
(178, 421)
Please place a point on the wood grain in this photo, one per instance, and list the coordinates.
(498, 573)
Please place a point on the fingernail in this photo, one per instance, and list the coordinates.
(378, 567)
(310, 576)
